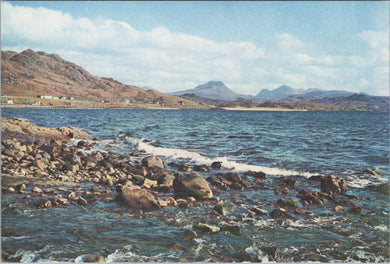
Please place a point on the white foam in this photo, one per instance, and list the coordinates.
(383, 228)
(354, 181)
(197, 158)
(360, 182)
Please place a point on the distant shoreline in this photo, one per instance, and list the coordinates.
(160, 108)
(262, 109)
(265, 109)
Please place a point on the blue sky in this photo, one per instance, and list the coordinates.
(249, 46)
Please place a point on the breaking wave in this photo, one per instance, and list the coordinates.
(197, 158)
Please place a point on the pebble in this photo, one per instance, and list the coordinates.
(259, 211)
(191, 199)
(49, 190)
(162, 203)
(72, 196)
(171, 201)
(37, 190)
(338, 208)
(63, 201)
(303, 211)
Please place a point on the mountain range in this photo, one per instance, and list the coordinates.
(219, 91)
(218, 94)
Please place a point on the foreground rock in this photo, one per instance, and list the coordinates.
(153, 162)
(192, 185)
(24, 126)
(333, 185)
(135, 197)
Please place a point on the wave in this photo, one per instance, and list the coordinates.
(197, 158)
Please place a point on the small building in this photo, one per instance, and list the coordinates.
(70, 97)
(9, 101)
(181, 103)
(62, 97)
(48, 97)
(45, 96)
(35, 103)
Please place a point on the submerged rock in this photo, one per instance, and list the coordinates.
(222, 210)
(256, 174)
(280, 213)
(289, 182)
(291, 202)
(96, 259)
(333, 184)
(201, 168)
(356, 210)
(44, 203)
(281, 191)
(216, 165)
(192, 185)
(310, 197)
(208, 228)
(190, 235)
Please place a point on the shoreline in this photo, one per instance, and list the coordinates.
(263, 109)
(161, 108)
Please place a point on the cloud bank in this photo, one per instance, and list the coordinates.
(171, 61)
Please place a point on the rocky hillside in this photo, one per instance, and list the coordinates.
(31, 73)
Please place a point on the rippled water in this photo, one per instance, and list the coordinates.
(294, 144)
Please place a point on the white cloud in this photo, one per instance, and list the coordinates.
(289, 42)
(170, 61)
(375, 39)
(115, 47)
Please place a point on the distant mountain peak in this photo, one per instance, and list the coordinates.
(285, 88)
(214, 90)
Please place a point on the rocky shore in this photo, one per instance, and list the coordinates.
(42, 168)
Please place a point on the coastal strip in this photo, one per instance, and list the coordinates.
(262, 109)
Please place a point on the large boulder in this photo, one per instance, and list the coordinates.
(192, 185)
(333, 185)
(135, 197)
(152, 162)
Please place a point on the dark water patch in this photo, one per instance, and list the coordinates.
(240, 136)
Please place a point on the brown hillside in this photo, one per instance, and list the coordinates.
(31, 73)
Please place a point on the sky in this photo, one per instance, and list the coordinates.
(173, 46)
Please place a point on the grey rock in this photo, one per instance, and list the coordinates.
(192, 185)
